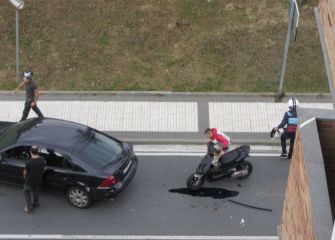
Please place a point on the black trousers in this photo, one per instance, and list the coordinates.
(26, 110)
(31, 192)
(286, 135)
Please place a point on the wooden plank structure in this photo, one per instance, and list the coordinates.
(309, 205)
(297, 217)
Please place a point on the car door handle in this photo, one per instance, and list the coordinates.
(59, 171)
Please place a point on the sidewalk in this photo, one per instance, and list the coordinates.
(145, 117)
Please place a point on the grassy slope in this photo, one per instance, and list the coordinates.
(170, 45)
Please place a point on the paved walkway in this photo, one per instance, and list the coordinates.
(159, 116)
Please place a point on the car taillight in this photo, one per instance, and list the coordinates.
(108, 182)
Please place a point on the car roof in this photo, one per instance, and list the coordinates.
(52, 132)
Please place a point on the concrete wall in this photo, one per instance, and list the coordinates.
(297, 218)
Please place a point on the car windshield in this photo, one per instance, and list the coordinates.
(9, 136)
(101, 150)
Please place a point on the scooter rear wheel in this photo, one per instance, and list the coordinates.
(245, 165)
(194, 183)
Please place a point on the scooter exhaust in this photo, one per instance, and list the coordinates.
(238, 174)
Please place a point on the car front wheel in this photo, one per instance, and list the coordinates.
(79, 197)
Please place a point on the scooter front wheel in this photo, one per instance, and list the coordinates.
(195, 182)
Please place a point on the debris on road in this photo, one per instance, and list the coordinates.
(250, 206)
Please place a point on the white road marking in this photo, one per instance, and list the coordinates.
(196, 154)
(199, 150)
(264, 154)
(132, 237)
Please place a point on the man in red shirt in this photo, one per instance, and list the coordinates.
(220, 138)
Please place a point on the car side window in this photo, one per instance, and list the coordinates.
(19, 153)
(55, 159)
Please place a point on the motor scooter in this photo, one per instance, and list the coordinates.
(231, 165)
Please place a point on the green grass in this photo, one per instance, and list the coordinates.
(177, 45)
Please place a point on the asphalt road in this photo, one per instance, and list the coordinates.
(147, 207)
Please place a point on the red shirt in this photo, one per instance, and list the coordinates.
(220, 137)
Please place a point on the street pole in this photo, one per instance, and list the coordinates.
(18, 4)
(17, 44)
(283, 68)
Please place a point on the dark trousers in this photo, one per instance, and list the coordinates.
(26, 110)
(286, 135)
(31, 191)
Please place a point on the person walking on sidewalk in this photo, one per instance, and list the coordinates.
(289, 125)
(33, 174)
(32, 95)
(221, 142)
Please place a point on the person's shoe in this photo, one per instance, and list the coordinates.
(36, 205)
(283, 155)
(27, 210)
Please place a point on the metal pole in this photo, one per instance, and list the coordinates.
(288, 37)
(17, 44)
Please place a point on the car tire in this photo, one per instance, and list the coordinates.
(78, 197)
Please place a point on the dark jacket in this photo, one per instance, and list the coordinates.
(290, 121)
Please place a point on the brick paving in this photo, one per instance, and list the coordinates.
(162, 116)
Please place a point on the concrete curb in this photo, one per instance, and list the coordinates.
(145, 141)
(166, 93)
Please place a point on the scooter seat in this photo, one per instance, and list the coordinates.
(229, 157)
(237, 154)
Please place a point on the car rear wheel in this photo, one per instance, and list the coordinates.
(79, 197)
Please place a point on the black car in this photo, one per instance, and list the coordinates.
(83, 163)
